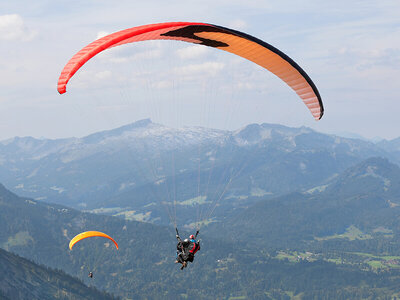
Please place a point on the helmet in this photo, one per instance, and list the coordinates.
(191, 237)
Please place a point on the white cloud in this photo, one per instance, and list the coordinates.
(165, 84)
(191, 52)
(101, 34)
(150, 54)
(210, 68)
(122, 58)
(103, 75)
(93, 79)
(12, 27)
(238, 24)
(245, 85)
(148, 50)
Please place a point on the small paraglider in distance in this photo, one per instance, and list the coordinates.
(88, 234)
(186, 249)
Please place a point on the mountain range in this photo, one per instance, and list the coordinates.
(150, 172)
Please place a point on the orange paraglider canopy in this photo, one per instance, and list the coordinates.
(88, 234)
(219, 37)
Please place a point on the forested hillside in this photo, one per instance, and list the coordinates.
(143, 267)
(23, 279)
(358, 210)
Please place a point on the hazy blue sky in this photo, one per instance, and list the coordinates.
(350, 49)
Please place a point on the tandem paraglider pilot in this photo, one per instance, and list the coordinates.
(186, 249)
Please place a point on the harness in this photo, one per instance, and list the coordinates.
(195, 247)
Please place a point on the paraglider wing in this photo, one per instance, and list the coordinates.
(88, 234)
(230, 40)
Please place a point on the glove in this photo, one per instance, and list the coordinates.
(177, 236)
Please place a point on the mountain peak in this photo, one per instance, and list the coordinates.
(378, 164)
(250, 134)
(140, 124)
(135, 125)
(255, 133)
(392, 145)
(375, 175)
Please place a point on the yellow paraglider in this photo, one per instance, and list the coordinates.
(87, 234)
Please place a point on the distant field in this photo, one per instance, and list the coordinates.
(352, 233)
(374, 262)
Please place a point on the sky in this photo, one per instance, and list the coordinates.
(350, 49)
